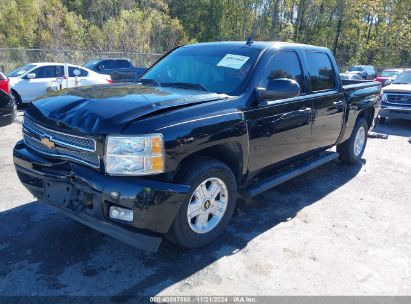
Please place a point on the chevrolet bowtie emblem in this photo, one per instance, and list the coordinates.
(47, 142)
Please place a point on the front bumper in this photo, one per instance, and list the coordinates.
(395, 112)
(86, 195)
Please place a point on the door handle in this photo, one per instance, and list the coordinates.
(305, 110)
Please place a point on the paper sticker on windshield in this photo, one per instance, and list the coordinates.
(233, 61)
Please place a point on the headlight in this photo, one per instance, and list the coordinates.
(134, 155)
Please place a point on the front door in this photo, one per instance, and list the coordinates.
(36, 87)
(280, 129)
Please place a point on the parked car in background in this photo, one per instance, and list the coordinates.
(396, 98)
(8, 109)
(350, 76)
(120, 69)
(364, 71)
(168, 155)
(5, 83)
(388, 75)
(36, 79)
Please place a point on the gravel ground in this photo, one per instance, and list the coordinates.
(338, 230)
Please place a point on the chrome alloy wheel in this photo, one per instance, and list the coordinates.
(359, 141)
(207, 205)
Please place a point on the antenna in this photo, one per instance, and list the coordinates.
(249, 40)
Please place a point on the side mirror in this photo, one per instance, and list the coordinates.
(31, 76)
(387, 82)
(100, 67)
(280, 88)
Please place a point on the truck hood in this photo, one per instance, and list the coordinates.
(109, 109)
(397, 88)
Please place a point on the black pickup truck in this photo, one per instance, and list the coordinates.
(170, 154)
(120, 69)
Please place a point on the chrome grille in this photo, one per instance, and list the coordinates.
(67, 146)
(399, 98)
(64, 139)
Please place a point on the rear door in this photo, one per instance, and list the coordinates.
(327, 99)
(124, 70)
(280, 129)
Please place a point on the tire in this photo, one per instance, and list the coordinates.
(352, 150)
(196, 231)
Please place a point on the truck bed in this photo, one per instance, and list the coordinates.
(350, 86)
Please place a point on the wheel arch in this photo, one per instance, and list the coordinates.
(230, 154)
(17, 95)
(368, 115)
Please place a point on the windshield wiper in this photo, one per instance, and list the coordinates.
(148, 81)
(185, 85)
(400, 82)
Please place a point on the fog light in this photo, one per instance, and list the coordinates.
(121, 214)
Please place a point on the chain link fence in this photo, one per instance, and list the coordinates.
(12, 58)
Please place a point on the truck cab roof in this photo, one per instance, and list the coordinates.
(259, 45)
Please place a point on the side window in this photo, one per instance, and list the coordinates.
(108, 64)
(284, 64)
(322, 76)
(122, 64)
(83, 73)
(46, 72)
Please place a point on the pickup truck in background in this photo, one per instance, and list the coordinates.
(120, 69)
(170, 154)
(396, 98)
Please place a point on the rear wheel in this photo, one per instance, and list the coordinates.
(352, 150)
(209, 205)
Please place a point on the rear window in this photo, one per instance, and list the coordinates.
(122, 64)
(322, 76)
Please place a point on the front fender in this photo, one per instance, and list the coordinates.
(186, 138)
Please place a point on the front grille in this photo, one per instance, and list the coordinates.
(404, 99)
(64, 139)
(67, 146)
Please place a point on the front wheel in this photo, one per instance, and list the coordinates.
(352, 150)
(209, 205)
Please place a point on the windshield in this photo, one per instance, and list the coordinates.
(404, 77)
(356, 69)
(390, 73)
(20, 71)
(91, 64)
(344, 77)
(210, 68)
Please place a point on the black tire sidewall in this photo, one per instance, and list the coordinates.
(181, 231)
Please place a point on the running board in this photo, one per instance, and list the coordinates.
(282, 177)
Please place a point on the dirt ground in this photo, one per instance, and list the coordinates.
(338, 230)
